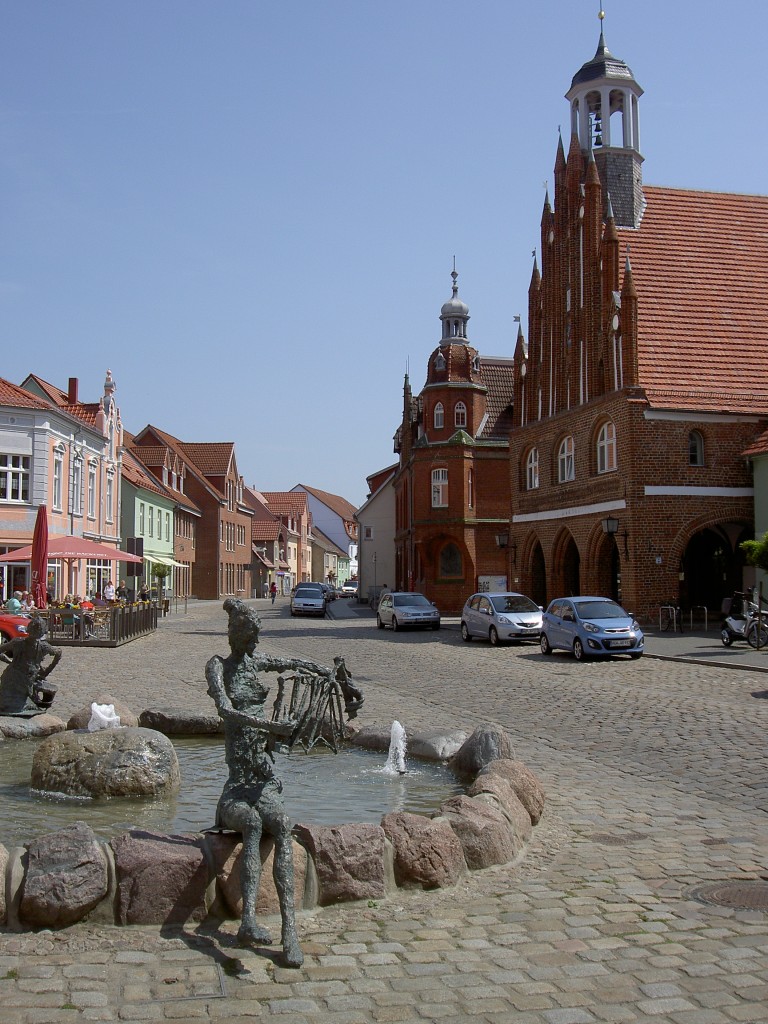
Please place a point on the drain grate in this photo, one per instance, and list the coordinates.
(746, 895)
(616, 839)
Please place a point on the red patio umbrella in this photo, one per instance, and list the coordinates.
(39, 558)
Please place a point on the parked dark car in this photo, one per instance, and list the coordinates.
(590, 627)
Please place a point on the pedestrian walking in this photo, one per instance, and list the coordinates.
(273, 591)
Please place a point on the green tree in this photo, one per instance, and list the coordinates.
(161, 573)
(757, 552)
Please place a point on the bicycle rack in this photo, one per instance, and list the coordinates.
(671, 610)
(700, 608)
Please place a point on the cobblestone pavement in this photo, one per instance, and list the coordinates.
(656, 779)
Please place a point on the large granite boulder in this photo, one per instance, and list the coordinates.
(66, 877)
(161, 879)
(486, 744)
(224, 851)
(14, 727)
(81, 718)
(497, 792)
(427, 852)
(110, 762)
(484, 832)
(181, 722)
(435, 745)
(350, 861)
(3, 872)
(525, 784)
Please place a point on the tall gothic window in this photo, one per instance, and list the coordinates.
(439, 416)
(606, 448)
(532, 470)
(695, 449)
(460, 415)
(566, 469)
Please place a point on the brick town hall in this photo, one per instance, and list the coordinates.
(608, 455)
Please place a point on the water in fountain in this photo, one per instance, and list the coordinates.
(321, 788)
(397, 745)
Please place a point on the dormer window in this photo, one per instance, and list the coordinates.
(439, 361)
(476, 364)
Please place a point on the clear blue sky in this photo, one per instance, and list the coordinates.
(248, 211)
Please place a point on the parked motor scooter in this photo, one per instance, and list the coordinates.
(742, 622)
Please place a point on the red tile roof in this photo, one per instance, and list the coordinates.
(700, 266)
(497, 374)
(759, 446)
(287, 503)
(18, 398)
(134, 472)
(339, 505)
(56, 395)
(265, 529)
(211, 458)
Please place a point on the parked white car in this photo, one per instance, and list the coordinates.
(308, 599)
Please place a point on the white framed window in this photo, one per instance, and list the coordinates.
(439, 416)
(532, 470)
(110, 494)
(167, 525)
(439, 488)
(695, 449)
(151, 521)
(566, 469)
(77, 486)
(606, 448)
(367, 533)
(141, 519)
(14, 477)
(58, 479)
(460, 415)
(91, 490)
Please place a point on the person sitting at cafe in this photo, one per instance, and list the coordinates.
(99, 601)
(13, 605)
(27, 603)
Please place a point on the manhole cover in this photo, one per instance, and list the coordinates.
(617, 839)
(746, 895)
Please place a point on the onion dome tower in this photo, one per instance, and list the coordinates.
(454, 315)
(604, 116)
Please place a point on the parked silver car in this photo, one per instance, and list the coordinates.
(500, 617)
(308, 599)
(399, 609)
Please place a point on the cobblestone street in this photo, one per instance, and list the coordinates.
(655, 773)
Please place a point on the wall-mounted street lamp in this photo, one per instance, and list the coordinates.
(611, 526)
(502, 539)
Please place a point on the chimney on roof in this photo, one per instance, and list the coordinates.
(72, 390)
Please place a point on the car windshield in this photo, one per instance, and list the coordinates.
(409, 600)
(599, 610)
(308, 592)
(513, 603)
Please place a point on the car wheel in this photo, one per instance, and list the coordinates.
(636, 655)
(436, 625)
(466, 636)
(544, 644)
(293, 614)
(726, 638)
(578, 650)
(395, 624)
(493, 636)
(379, 623)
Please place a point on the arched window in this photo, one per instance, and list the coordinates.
(439, 416)
(566, 469)
(606, 448)
(460, 415)
(695, 449)
(532, 470)
(439, 488)
(450, 561)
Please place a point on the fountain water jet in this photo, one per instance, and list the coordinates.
(397, 746)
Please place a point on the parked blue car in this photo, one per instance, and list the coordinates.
(590, 627)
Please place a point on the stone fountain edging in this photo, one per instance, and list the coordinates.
(144, 877)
